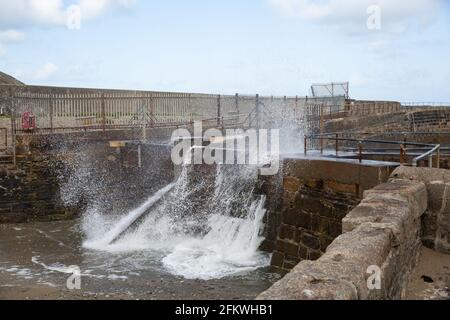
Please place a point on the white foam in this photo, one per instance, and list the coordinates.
(127, 221)
(115, 277)
(56, 267)
(219, 240)
(230, 247)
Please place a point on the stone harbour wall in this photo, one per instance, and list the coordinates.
(382, 234)
(435, 231)
(316, 194)
(55, 181)
(31, 193)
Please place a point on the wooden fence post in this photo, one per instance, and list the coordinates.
(12, 111)
(258, 112)
(219, 110)
(51, 112)
(103, 103)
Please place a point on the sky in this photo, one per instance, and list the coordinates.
(387, 49)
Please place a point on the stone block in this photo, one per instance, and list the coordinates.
(291, 249)
(291, 216)
(311, 204)
(297, 218)
(308, 281)
(310, 241)
(350, 255)
(445, 204)
(442, 244)
(304, 220)
(341, 187)
(314, 255)
(290, 262)
(277, 259)
(314, 184)
(436, 191)
(325, 242)
(334, 228)
(287, 232)
(443, 223)
(413, 192)
(377, 210)
(315, 223)
(291, 184)
(425, 175)
(287, 247)
(279, 245)
(303, 252)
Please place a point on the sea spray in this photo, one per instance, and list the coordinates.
(127, 220)
(230, 247)
(217, 239)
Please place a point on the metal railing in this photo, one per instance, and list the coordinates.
(74, 108)
(425, 104)
(432, 150)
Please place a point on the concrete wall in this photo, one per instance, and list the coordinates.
(305, 216)
(382, 232)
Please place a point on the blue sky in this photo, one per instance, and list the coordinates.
(271, 47)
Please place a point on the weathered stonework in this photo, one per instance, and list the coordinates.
(436, 220)
(315, 196)
(31, 192)
(383, 231)
(90, 173)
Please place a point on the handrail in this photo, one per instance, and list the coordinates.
(435, 149)
(429, 154)
(425, 104)
(405, 143)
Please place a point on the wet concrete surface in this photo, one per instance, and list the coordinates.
(36, 260)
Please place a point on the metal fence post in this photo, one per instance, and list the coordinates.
(51, 113)
(258, 113)
(236, 102)
(402, 154)
(219, 111)
(305, 146)
(438, 160)
(190, 109)
(103, 106)
(360, 151)
(337, 144)
(321, 144)
(13, 125)
(152, 112)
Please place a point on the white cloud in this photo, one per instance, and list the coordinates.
(396, 15)
(11, 36)
(46, 71)
(91, 9)
(23, 13)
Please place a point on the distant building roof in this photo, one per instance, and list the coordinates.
(6, 79)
